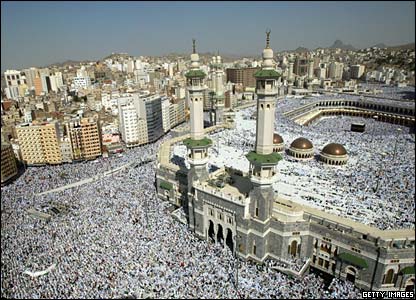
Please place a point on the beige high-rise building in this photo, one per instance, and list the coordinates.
(8, 162)
(39, 143)
(85, 140)
(244, 76)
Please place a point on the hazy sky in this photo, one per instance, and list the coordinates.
(41, 33)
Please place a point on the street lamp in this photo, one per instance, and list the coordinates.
(235, 253)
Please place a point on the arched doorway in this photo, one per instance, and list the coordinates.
(211, 232)
(351, 273)
(389, 276)
(410, 285)
(229, 240)
(293, 248)
(220, 236)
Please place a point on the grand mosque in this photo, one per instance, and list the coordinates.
(244, 212)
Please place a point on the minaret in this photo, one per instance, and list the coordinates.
(219, 112)
(263, 160)
(290, 73)
(310, 69)
(197, 144)
(213, 90)
(214, 73)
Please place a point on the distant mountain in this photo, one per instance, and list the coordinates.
(405, 46)
(115, 55)
(398, 47)
(339, 44)
(379, 45)
(68, 62)
(301, 49)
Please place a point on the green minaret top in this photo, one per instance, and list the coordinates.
(193, 46)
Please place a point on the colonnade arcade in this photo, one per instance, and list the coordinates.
(219, 226)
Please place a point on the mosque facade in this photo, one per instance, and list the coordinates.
(242, 210)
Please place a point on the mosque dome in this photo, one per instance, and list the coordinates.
(277, 139)
(301, 143)
(334, 149)
(301, 149)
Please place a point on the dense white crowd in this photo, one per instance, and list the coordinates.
(117, 239)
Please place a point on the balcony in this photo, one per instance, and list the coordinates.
(271, 91)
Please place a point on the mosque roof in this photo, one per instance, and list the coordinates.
(301, 143)
(266, 74)
(195, 73)
(277, 139)
(334, 149)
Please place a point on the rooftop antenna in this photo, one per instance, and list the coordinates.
(268, 38)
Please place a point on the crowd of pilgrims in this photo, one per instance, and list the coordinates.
(377, 185)
(115, 238)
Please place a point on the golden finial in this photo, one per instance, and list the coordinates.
(268, 38)
(193, 46)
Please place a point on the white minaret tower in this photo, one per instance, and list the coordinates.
(214, 73)
(219, 86)
(263, 160)
(266, 89)
(197, 144)
(310, 69)
(196, 89)
(290, 73)
(219, 112)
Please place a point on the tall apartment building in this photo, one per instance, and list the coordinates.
(166, 114)
(39, 143)
(85, 138)
(357, 71)
(132, 123)
(153, 109)
(30, 75)
(82, 80)
(15, 84)
(143, 120)
(8, 161)
(301, 66)
(243, 76)
(37, 82)
(176, 113)
(335, 70)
